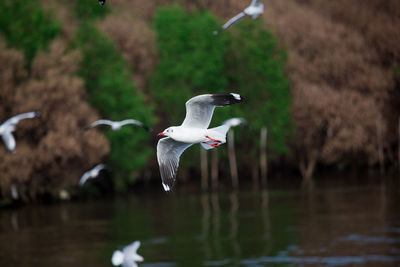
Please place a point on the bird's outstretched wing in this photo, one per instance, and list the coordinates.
(84, 178)
(15, 119)
(9, 140)
(168, 154)
(99, 167)
(233, 20)
(134, 122)
(99, 122)
(132, 248)
(199, 109)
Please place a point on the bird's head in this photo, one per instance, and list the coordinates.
(138, 258)
(167, 132)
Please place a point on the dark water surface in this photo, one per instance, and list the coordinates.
(332, 223)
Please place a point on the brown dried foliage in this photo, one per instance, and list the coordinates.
(52, 145)
(144, 9)
(337, 83)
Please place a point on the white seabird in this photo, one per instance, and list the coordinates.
(128, 256)
(102, 2)
(199, 111)
(255, 9)
(7, 127)
(93, 173)
(116, 125)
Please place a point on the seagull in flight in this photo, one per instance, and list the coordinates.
(255, 9)
(93, 173)
(102, 2)
(128, 256)
(7, 127)
(116, 125)
(199, 111)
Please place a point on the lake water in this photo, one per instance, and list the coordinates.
(334, 222)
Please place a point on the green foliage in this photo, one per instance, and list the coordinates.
(191, 58)
(27, 26)
(256, 67)
(113, 93)
(89, 9)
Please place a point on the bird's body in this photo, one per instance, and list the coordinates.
(194, 129)
(255, 9)
(195, 135)
(127, 257)
(7, 127)
(116, 125)
(102, 2)
(93, 173)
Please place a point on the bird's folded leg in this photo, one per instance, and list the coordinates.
(215, 140)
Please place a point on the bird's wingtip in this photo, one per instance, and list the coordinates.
(166, 187)
(237, 97)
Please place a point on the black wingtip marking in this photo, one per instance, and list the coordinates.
(226, 99)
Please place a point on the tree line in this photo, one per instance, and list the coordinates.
(313, 83)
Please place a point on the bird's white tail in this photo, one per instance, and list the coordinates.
(221, 130)
(117, 258)
(218, 133)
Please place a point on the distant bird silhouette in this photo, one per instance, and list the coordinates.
(199, 112)
(93, 173)
(128, 256)
(14, 192)
(116, 125)
(255, 9)
(102, 2)
(9, 125)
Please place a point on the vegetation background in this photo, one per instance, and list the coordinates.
(323, 77)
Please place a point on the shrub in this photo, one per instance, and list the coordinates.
(256, 67)
(191, 59)
(27, 26)
(89, 9)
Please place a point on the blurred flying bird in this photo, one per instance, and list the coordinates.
(128, 256)
(9, 125)
(199, 111)
(255, 9)
(93, 173)
(234, 122)
(102, 2)
(116, 125)
(14, 192)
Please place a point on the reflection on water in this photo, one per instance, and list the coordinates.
(325, 223)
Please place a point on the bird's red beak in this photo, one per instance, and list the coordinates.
(161, 134)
